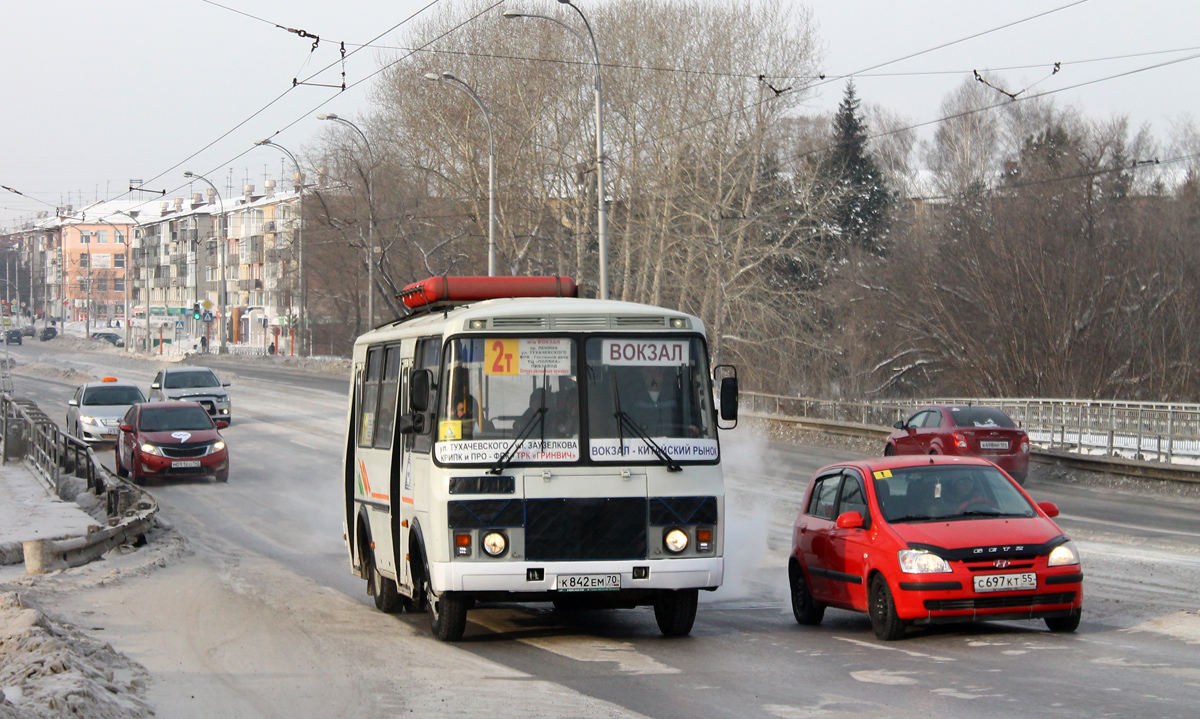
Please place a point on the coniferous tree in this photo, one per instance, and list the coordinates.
(862, 202)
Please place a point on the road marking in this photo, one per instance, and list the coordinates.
(909, 652)
(580, 648)
(1177, 532)
(883, 676)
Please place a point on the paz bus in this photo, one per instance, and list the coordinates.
(511, 442)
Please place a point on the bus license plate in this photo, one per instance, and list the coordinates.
(186, 463)
(1005, 582)
(985, 444)
(587, 582)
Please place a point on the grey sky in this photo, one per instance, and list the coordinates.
(99, 93)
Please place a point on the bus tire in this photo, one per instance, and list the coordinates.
(387, 597)
(447, 614)
(675, 611)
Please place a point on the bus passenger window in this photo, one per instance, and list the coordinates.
(388, 389)
(370, 396)
(428, 356)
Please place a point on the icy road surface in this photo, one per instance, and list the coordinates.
(246, 608)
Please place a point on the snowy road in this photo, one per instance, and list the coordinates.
(255, 613)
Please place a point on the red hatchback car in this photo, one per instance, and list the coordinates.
(170, 439)
(930, 540)
(965, 431)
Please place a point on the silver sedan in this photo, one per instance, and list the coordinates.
(94, 412)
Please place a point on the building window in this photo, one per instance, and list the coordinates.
(102, 284)
(118, 261)
(102, 237)
(120, 237)
(85, 237)
(83, 286)
(119, 285)
(83, 260)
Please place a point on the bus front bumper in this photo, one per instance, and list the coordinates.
(523, 577)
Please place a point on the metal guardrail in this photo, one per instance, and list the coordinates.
(28, 433)
(1142, 431)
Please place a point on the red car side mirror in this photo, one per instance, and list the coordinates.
(849, 520)
(222, 424)
(1050, 508)
(126, 428)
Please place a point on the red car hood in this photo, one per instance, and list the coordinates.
(964, 533)
(193, 435)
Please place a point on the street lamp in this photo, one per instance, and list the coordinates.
(219, 236)
(132, 214)
(601, 212)
(453, 81)
(299, 248)
(370, 214)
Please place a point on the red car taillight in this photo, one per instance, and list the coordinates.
(1024, 444)
(960, 440)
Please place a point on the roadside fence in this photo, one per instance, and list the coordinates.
(60, 461)
(1162, 432)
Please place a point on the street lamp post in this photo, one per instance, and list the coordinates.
(219, 236)
(453, 81)
(132, 214)
(305, 333)
(601, 211)
(370, 214)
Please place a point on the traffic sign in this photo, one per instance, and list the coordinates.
(178, 324)
(208, 317)
(206, 304)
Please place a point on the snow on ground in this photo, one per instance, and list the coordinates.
(51, 670)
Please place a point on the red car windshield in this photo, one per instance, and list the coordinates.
(165, 419)
(928, 493)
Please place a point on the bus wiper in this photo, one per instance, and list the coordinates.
(623, 419)
(515, 445)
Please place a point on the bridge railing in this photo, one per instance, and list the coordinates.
(1148, 431)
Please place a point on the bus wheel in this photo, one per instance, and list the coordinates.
(447, 614)
(675, 611)
(387, 598)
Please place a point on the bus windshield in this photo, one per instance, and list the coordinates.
(497, 390)
(652, 386)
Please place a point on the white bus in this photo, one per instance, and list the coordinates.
(509, 442)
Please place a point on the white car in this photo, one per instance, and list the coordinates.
(94, 412)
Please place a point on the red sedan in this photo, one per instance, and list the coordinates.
(964, 431)
(928, 540)
(171, 439)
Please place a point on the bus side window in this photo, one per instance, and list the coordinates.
(428, 356)
(370, 396)
(389, 388)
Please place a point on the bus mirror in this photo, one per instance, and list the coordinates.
(418, 390)
(729, 393)
(412, 423)
(729, 399)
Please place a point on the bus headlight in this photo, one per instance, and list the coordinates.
(494, 543)
(675, 540)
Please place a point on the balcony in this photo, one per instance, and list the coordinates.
(232, 259)
(249, 284)
(269, 226)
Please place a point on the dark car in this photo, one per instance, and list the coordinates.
(965, 431)
(170, 439)
(112, 338)
(930, 540)
(28, 331)
(12, 337)
(48, 333)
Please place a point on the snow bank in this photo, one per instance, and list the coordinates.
(66, 374)
(50, 670)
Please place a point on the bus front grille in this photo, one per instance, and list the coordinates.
(585, 529)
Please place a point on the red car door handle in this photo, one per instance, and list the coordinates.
(803, 528)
